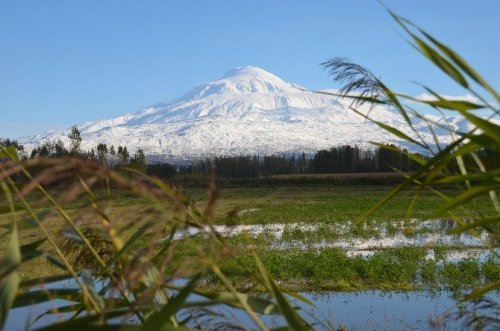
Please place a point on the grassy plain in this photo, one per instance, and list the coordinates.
(307, 268)
(319, 203)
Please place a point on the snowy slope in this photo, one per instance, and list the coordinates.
(247, 111)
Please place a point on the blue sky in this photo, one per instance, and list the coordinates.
(67, 62)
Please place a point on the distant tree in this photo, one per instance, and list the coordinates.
(75, 141)
(138, 161)
(8, 143)
(44, 150)
(162, 170)
(139, 156)
(59, 149)
(102, 152)
(11, 143)
(112, 150)
(123, 154)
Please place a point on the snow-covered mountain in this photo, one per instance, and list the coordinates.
(247, 111)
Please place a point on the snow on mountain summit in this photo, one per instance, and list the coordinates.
(247, 74)
(243, 80)
(247, 111)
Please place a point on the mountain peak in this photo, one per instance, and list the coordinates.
(248, 111)
(244, 80)
(249, 72)
(239, 81)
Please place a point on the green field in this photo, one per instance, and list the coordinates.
(319, 203)
(333, 212)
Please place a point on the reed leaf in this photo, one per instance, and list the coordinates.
(9, 279)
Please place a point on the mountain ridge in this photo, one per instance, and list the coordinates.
(246, 111)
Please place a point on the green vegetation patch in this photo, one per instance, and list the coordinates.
(395, 269)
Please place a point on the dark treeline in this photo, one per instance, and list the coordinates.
(489, 158)
(11, 143)
(110, 156)
(342, 159)
(251, 166)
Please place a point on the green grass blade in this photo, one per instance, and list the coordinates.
(431, 54)
(483, 290)
(31, 251)
(259, 305)
(440, 158)
(9, 283)
(394, 101)
(440, 62)
(460, 105)
(466, 196)
(34, 297)
(491, 129)
(45, 280)
(163, 319)
(483, 222)
(390, 129)
(485, 177)
(9, 152)
(92, 322)
(127, 246)
(295, 322)
(462, 64)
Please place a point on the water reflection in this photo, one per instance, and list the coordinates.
(365, 310)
